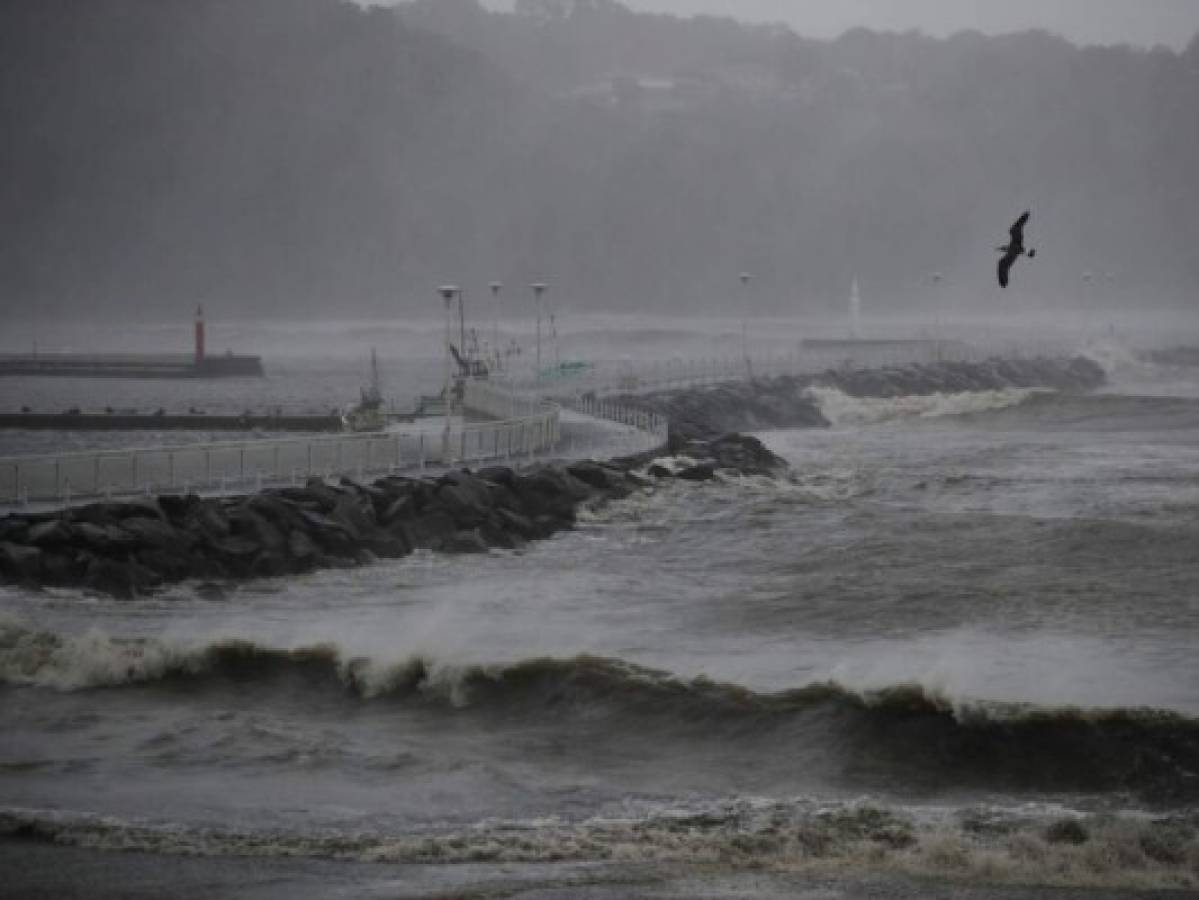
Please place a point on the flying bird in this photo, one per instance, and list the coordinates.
(1014, 249)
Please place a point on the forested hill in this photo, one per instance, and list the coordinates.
(307, 157)
(272, 155)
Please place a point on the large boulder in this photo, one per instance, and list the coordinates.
(105, 539)
(601, 477)
(468, 500)
(429, 531)
(177, 507)
(20, 562)
(356, 514)
(466, 541)
(14, 529)
(54, 533)
(302, 548)
(516, 524)
(331, 534)
(168, 565)
(208, 520)
(157, 533)
(123, 580)
(250, 524)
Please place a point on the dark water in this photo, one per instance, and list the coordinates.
(966, 621)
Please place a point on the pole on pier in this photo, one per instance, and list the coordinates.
(448, 293)
(746, 278)
(496, 287)
(539, 289)
(199, 334)
(461, 323)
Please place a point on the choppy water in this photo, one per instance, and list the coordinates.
(963, 610)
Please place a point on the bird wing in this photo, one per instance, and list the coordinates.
(1005, 265)
(1017, 229)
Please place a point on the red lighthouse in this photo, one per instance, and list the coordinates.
(199, 334)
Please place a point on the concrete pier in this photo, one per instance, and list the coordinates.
(131, 365)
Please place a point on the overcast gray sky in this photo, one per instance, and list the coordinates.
(1142, 22)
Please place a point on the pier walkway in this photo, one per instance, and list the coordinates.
(568, 417)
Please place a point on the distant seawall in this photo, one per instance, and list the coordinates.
(132, 366)
(784, 401)
(81, 421)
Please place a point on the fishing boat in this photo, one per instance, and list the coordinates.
(367, 414)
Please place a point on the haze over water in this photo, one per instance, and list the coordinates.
(942, 572)
(951, 653)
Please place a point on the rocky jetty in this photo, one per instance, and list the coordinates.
(130, 548)
(785, 402)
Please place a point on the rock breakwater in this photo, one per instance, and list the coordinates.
(129, 548)
(787, 402)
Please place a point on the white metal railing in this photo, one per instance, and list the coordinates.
(525, 422)
(521, 428)
(643, 431)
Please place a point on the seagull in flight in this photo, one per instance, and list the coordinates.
(1014, 249)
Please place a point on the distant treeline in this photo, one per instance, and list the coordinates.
(299, 157)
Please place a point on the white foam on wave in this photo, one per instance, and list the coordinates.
(970, 667)
(841, 409)
(29, 656)
(984, 845)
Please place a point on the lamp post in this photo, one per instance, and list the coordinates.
(938, 325)
(496, 287)
(746, 278)
(539, 289)
(448, 293)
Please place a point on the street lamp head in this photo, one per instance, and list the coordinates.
(539, 287)
(745, 277)
(496, 286)
(449, 291)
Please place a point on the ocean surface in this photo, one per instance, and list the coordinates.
(961, 645)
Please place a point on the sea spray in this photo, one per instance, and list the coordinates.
(977, 846)
(842, 409)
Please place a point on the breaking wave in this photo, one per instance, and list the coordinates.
(902, 734)
(1042, 846)
(842, 409)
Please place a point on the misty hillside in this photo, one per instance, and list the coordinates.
(300, 157)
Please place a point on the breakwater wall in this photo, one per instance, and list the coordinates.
(514, 427)
(132, 365)
(84, 421)
(125, 549)
(786, 402)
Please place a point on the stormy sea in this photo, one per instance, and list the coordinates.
(955, 654)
